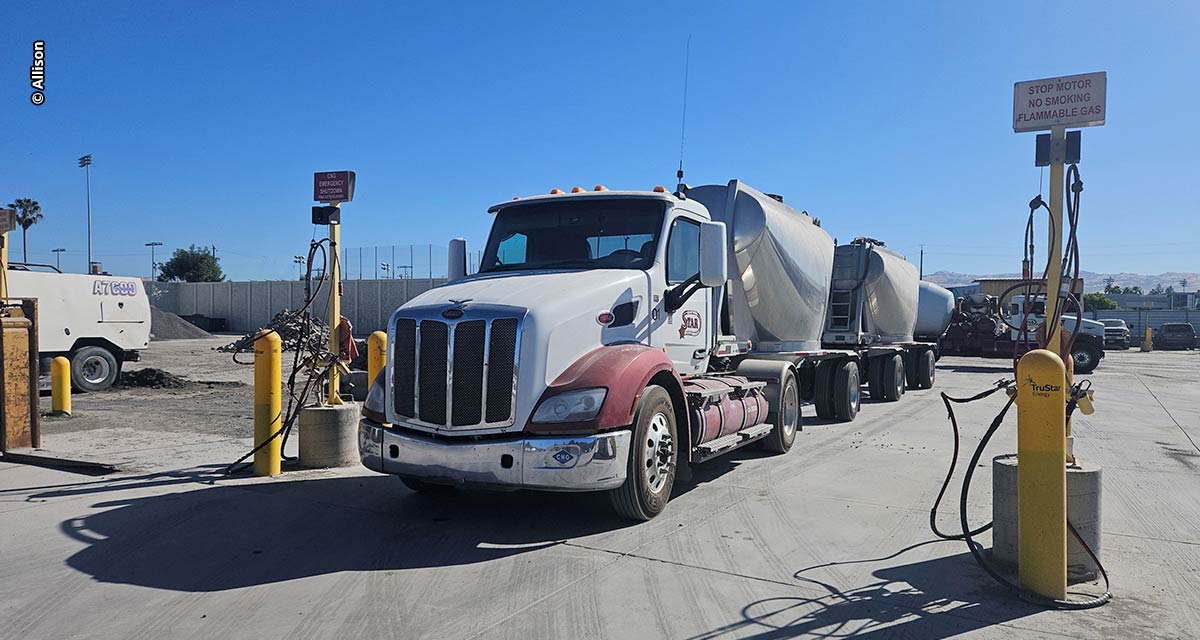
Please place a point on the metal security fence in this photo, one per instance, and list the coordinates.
(246, 306)
(398, 262)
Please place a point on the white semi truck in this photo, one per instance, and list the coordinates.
(97, 322)
(611, 339)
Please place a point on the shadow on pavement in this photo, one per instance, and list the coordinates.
(229, 536)
(937, 598)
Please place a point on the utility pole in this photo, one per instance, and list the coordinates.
(86, 164)
(214, 251)
(153, 264)
(1186, 307)
(58, 258)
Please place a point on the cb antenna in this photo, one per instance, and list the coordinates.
(687, 60)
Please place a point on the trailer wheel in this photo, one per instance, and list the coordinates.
(926, 369)
(893, 377)
(846, 390)
(875, 378)
(823, 390)
(650, 470)
(93, 368)
(1086, 357)
(785, 416)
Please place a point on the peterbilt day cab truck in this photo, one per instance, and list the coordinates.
(97, 322)
(611, 339)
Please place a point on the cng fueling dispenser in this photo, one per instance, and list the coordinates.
(1044, 494)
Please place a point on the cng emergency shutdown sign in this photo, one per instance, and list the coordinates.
(1070, 101)
(333, 186)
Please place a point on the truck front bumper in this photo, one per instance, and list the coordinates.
(550, 463)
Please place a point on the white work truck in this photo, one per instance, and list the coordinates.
(97, 322)
(610, 339)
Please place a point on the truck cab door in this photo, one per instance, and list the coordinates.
(684, 333)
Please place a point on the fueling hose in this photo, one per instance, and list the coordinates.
(1069, 267)
(312, 354)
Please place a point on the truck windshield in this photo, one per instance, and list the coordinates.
(617, 233)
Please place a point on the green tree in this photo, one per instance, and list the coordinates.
(1111, 288)
(1098, 302)
(194, 264)
(29, 213)
(1157, 290)
(1137, 291)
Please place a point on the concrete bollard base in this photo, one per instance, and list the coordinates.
(1083, 512)
(329, 436)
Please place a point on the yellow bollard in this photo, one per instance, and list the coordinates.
(268, 391)
(1148, 343)
(376, 355)
(1042, 473)
(60, 385)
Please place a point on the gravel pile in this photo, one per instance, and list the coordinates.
(151, 378)
(290, 325)
(165, 325)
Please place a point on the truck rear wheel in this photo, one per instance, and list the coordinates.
(650, 471)
(823, 390)
(926, 369)
(93, 368)
(893, 377)
(846, 389)
(785, 416)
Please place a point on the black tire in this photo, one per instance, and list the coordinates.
(785, 416)
(1086, 357)
(426, 488)
(94, 368)
(875, 378)
(823, 390)
(911, 365)
(926, 369)
(650, 471)
(846, 391)
(893, 377)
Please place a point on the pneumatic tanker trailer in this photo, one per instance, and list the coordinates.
(612, 339)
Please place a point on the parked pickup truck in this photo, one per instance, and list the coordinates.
(1116, 334)
(611, 339)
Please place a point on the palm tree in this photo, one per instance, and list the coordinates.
(29, 213)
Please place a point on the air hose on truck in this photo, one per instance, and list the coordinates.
(1070, 268)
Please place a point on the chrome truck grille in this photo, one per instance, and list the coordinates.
(457, 373)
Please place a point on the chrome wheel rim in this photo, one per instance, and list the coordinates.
(659, 453)
(791, 412)
(1082, 358)
(95, 369)
(854, 392)
(899, 378)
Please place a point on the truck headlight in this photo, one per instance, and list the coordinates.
(571, 406)
(375, 407)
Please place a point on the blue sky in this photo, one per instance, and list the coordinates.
(891, 120)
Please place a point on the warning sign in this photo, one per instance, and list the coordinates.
(1071, 101)
(333, 186)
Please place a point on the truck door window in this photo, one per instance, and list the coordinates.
(683, 250)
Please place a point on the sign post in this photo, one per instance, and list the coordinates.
(334, 188)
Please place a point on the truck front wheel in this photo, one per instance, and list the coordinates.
(93, 368)
(650, 471)
(1086, 357)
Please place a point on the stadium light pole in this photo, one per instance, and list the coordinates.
(299, 261)
(153, 264)
(58, 258)
(86, 164)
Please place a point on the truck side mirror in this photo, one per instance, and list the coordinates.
(713, 259)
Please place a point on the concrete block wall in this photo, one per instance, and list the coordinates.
(247, 306)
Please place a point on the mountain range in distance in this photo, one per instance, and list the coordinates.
(1092, 281)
